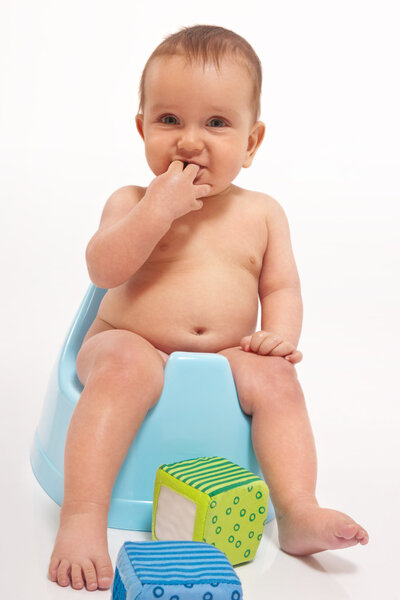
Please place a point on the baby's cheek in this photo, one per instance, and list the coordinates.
(234, 167)
(157, 160)
(158, 167)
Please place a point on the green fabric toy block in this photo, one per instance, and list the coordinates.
(211, 500)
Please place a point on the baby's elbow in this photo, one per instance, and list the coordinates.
(97, 277)
(101, 280)
(97, 280)
(99, 274)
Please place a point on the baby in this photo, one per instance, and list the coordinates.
(185, 261)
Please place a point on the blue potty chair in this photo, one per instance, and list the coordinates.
(198, 414)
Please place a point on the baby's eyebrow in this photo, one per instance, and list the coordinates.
(165, 107)
(223, 110)
(212, 110)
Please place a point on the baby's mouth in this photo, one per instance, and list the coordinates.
(201, 168)
(186, 163)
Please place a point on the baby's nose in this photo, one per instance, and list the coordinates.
(191, 140)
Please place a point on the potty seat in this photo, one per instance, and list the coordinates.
(198, 414)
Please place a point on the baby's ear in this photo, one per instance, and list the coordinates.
(139, 124)
(256, 136)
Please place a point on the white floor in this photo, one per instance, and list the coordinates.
(359, 573)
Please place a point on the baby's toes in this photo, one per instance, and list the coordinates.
(104, 572)
(53, 566)
(347, 530)
(63, 572)
(89, 573)
(352, 533)
(76, 577)
(362, 537)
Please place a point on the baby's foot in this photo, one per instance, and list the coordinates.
(80, 556)
(309, 529)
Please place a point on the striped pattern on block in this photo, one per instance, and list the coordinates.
(211, 475)
(179, 570)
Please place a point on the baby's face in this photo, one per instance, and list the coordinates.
(199, 115)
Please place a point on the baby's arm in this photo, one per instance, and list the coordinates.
(279, 291)
(132, 225)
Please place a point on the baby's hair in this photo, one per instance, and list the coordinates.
(209, 43)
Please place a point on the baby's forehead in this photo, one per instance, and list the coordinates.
(174, 71)
(187, 63)
(175, 79)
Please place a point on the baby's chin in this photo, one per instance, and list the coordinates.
(217, 191)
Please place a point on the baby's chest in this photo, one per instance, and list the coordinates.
(242, 243)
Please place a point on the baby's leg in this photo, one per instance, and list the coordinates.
(269, 391)
(123, 378)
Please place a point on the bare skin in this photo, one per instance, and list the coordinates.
(185, 261)
(123, 377)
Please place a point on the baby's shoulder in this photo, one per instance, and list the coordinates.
(120, 203)
(127, 194)
(260, 201)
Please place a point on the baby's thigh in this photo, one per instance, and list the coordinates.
(258, 379)
(118, 351)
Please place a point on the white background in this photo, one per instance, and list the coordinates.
(69, 74)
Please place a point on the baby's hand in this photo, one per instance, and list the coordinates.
(270, 344)
(175, 192)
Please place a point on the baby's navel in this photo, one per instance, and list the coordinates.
(199, 330)
(252, 259)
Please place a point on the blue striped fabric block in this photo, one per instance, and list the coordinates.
(174, 571)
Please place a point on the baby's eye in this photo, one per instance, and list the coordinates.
(169, 120)
(216, 122)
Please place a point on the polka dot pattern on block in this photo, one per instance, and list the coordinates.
(242, 528)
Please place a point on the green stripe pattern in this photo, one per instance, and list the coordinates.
(211, 475)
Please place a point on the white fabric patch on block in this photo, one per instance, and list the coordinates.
(175, 516)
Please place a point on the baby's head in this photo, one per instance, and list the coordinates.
(208, 44)
(200, 101)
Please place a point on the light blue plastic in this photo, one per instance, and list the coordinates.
(198, 414)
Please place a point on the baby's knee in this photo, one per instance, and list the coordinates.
(278, 371)
(273, 380)
(120, 356)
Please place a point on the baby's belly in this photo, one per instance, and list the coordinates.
(193, 310)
